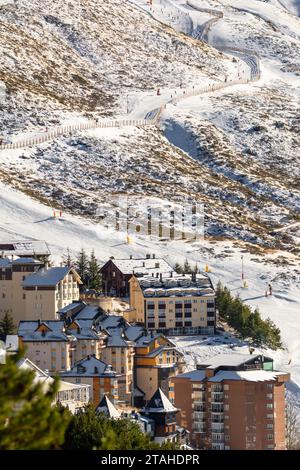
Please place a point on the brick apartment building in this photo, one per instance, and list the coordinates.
(232, 402)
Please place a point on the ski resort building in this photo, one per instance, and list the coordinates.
(96, 373)
(156, 359)
(232, 402)
(116, 273)
(29, 290)
(174, 304)
(25, 249)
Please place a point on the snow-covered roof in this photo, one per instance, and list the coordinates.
(107, 407)
(84, 330)
(231, 360)
(247, 375)
(47, 277)
(25, 247)
(7, 263)
(176, 285)
(89, 367)
(142, 266)
(132, 333)
(55, 331)
(194, 375)
(88, 312)
(112, 321)
(159, 403)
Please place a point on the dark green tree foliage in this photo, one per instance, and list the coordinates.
(88, 431)
(94, 273)
(7, 326)
(82, 266)
(68, 259)
(28, 419)
(247, 323)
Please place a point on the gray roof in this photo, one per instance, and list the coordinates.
(47, 277)
(246, 375)
(27, 330)
(143, 265)
(70, 307)
(7, 263)
(107, 407)
(134, 332)
(85, 330)
(233, 360)
(112, 321)
(159, 403)
(176, 285)
(89, 367)
(25, 247)
(88, 312)
(193, 375)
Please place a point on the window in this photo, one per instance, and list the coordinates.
(150, 306)
(37, 353)
(195, 301)
(188, 323)
(24, 296)
(270, 437)
(270, 416)
(114, 273)
(270, 426)
(270, 396)
(270, 386)
(178, 314)
(187, 314)
(178, 324)
(227, 437)
(162, 325)
(151, 325)
(3, 296)
(269, 406)
(226, 387)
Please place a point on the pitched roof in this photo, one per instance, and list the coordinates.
(159, 403)
(143, 265)
(25, 247)
(47, 277)
(89, 367)
(7, 263)
(246, 375)
(107, 407)
(230, 360)
(28, 331)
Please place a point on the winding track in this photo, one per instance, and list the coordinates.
(153, 116)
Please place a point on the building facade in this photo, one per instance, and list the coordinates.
(29, 290)
(233, 402)
(116, 273)
(99, 375)
(174, 304)
(156, 360)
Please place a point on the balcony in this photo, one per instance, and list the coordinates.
(199, 416)
(199, 428)
(198, 396)
(217, 437)
(217, 397)
(216, 408)
(219, 446)
(198, 406)
(217, 428)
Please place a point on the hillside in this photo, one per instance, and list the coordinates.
(234, 150)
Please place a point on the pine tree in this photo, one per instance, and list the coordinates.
(81, 266)
(178, 268)
(187, 267)
(95, 281)
(7, 326)
(68, 259)
(28, 419)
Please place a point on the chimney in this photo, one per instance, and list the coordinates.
(148, 256)
(160, 277)
(171, 273)
(153, 256)
(157, 274)
(152, 274)
(88, 358)
(130, 256)
(143, 264)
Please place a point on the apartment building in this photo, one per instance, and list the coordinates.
(96, 373)
(12, 274)
(48, 290)
(47, 344)
(174, 304)
(89, 341)
(119, 352)
(29, 290)
(116, 273)
(156, 360)
(232, 402)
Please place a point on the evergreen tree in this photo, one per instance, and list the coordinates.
(7, 326)
(68, 259)
(82, 265)
(89, 431)
(28, 419)
(187, 269)
(178, 269)
(95, 280)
